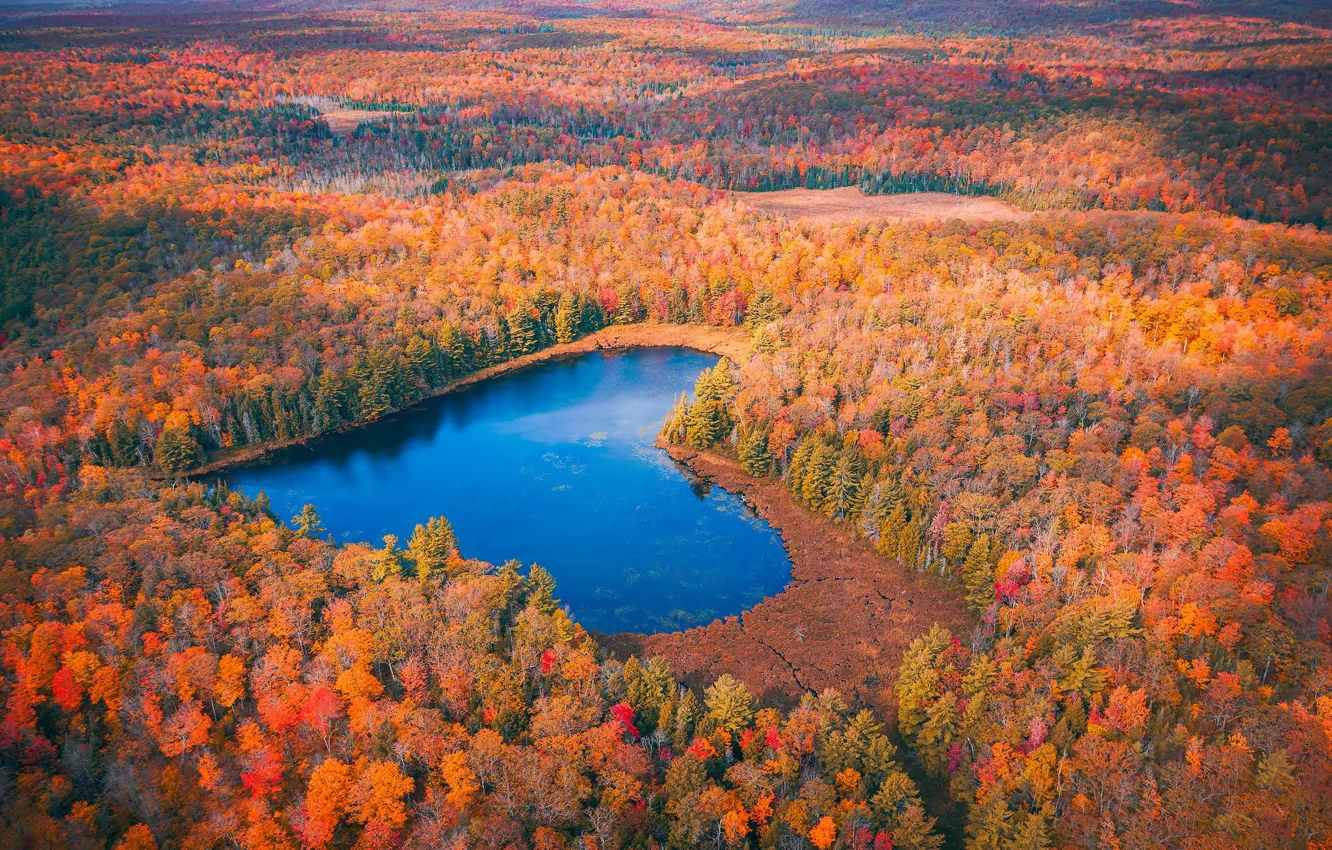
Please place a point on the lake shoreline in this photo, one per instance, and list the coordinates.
(843, 621)
(727, 342)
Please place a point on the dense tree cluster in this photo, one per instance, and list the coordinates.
(181, 669)
(1116, 443)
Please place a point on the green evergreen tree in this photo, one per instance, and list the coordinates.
(629, 309)
(698, 306)
(683, 786)
(708, 420)
(567, 319)
(911, 544)
(330, 406)
(387, 561)
(705, 424)
(431, 546)
(919, 681)
(978, 574)
(453, 353)
(379, 383)
(123, 443)
(935, 736)
(890, 533)
(990, 824)
(541, 589)
(957, 540)
(729, 704)
(844, 498)
(522, 330)
(509, 582)
(673, 430)
(649, 688)
(875, 510)
(763, 309)
(897, 810)
(686, 721)
(795, 471)
(717, 383)
(1032, 831)
(913, 829)
(307, 522)
(422, 362)
(766, 340)
(677, 304)
(177, 449)
(593, 318)
(752, 449)
(818, 475)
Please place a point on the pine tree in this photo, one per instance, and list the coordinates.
(431, 546)
(729, 704)
(592, 317)
(795, 471)
(387, 561)
(376, 377)
(673, 430)
(283, 421)
(686, 719)
(990, 824)
(875, 509)
(890, 533)
(566, 319)
(935, 736)
(913, 829)
(705, 424)
(684, 783)
(978, 574)
(522, 330)
(124, 445)
(919, 681)
(677, 304)
(752, 449)
(628, 311)
(717, 383)
(708, 419)
(307, 522)
(509, 582)
(421, 361)
(844, 498)
(957, 541)
(453, 353)
(819, 474)
(1032, 832)
(330, 400)
(177, 449)
(911, 544)
(541, 589)
(763, 309)
(649, 688)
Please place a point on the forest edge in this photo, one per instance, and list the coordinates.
(843, 621)
(727, 342)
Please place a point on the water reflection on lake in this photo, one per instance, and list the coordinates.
(554, 465)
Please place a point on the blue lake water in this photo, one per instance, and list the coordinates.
(551, 465)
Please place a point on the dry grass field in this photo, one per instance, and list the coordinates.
(346, 120)
(850, 204)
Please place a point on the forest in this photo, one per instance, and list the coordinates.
(1103, 427)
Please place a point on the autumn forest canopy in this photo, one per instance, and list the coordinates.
(1094, 433)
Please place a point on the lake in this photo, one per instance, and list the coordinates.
(555, 465)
